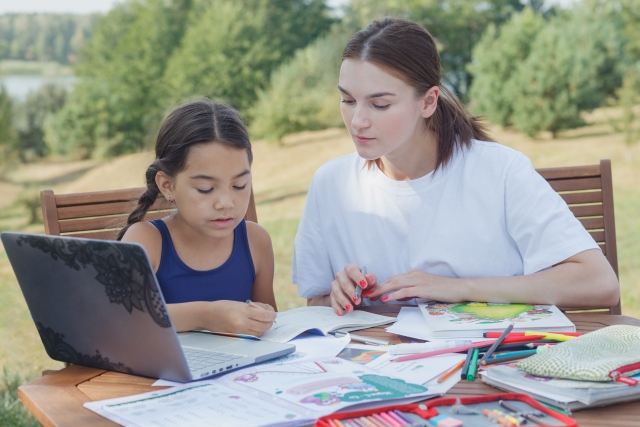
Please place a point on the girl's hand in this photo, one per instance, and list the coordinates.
(417, 284)
(343, 289)
(240, 318)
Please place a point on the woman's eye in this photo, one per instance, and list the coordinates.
(381, 107)
(205, 191)
(348, 101)
(238, 187)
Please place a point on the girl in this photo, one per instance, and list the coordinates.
(207, 258)
(431, 209)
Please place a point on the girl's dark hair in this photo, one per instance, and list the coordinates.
(407, 51)
(199, 121)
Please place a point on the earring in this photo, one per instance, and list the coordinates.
(169, 199)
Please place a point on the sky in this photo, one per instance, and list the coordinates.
(89, 6)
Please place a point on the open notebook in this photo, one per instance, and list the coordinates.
(472, 319)
(317, 320)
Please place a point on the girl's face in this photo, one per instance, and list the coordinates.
(212, 192)
(382, 113)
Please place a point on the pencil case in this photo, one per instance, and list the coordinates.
(608, 354)
(469, 411)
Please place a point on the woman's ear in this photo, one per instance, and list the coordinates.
(165, 185)
(430, 102)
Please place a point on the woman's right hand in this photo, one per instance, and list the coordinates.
(343, 289)
(239, 318)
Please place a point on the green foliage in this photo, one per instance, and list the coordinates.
(30, 116)
(44, 37)
(116, 104)
(302, 94)
(629, 95)
(8, 134)
(229, 54)
(496, 59)
(558, 80)
(12, 413)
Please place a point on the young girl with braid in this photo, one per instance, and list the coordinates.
(208, 260)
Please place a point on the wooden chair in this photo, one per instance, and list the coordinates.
(101, 214)
(587, 190)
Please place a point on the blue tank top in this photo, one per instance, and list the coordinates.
(233, 280)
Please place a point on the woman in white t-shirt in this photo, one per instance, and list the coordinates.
(431, 209)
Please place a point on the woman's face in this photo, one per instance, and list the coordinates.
(382, 113)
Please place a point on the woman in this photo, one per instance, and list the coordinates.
(431, 209)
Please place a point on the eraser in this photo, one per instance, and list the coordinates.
(445, 421)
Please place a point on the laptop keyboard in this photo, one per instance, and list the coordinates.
(200, 359)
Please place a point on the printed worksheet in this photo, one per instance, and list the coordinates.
(418, 371)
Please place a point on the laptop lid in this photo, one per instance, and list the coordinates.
(97, 303)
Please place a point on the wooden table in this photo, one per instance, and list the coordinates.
(56, 399)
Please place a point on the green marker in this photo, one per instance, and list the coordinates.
(473, 365)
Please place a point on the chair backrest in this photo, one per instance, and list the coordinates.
(101, 214)
(588, 190)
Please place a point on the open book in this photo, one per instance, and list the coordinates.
(317, 320)
(472, 319)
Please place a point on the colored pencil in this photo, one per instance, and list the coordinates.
(495, 360)
(497, 343)
(520, 334)
(451, 371)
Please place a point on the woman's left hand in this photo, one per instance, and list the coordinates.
(417, 284)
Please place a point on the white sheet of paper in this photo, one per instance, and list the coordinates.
(419, 371)
(308, 346)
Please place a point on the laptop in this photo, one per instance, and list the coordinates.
(97, 303)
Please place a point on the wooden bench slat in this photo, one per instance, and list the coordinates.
(93, 197)
(582, 197)
(598, 236)
(570, 172)
(576, 184)
(102, 235)
(99, 223)
(592, 223)
(587, 210)
(105, 209)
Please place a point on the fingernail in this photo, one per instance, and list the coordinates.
(339, 312)
(367, 293)
(354, 299)
(347, 307)
(384, 298)
(363, 284)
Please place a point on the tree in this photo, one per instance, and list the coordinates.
(229, 54)
(557, 80)
(7, 131)
(302, 94)
(495, 63)
(30, 120)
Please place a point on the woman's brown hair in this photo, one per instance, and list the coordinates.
(196, 122)
(408, 51)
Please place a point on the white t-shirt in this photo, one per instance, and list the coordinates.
(488, 213)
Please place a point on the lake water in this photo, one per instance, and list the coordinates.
(19, 86)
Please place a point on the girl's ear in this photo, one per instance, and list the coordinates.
(165, 185)
(430, 102)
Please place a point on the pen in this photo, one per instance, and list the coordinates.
(497, 343)
(504, 359)
(361, 338)
(465, 367)
(358, 295)
(473, 365)
(254, 305)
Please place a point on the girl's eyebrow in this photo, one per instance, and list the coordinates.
(210, 178)
(373, 95)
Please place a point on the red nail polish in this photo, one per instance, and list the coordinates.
(384, 298)
(367, 293)
(339, 312)
(355, 299)
(347, 307)
(363, 284)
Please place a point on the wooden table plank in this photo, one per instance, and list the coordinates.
(56, 399)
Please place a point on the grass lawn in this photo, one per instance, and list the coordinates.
(281, 178)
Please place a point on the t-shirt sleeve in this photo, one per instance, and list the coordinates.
(311, 269)
(540, 222)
